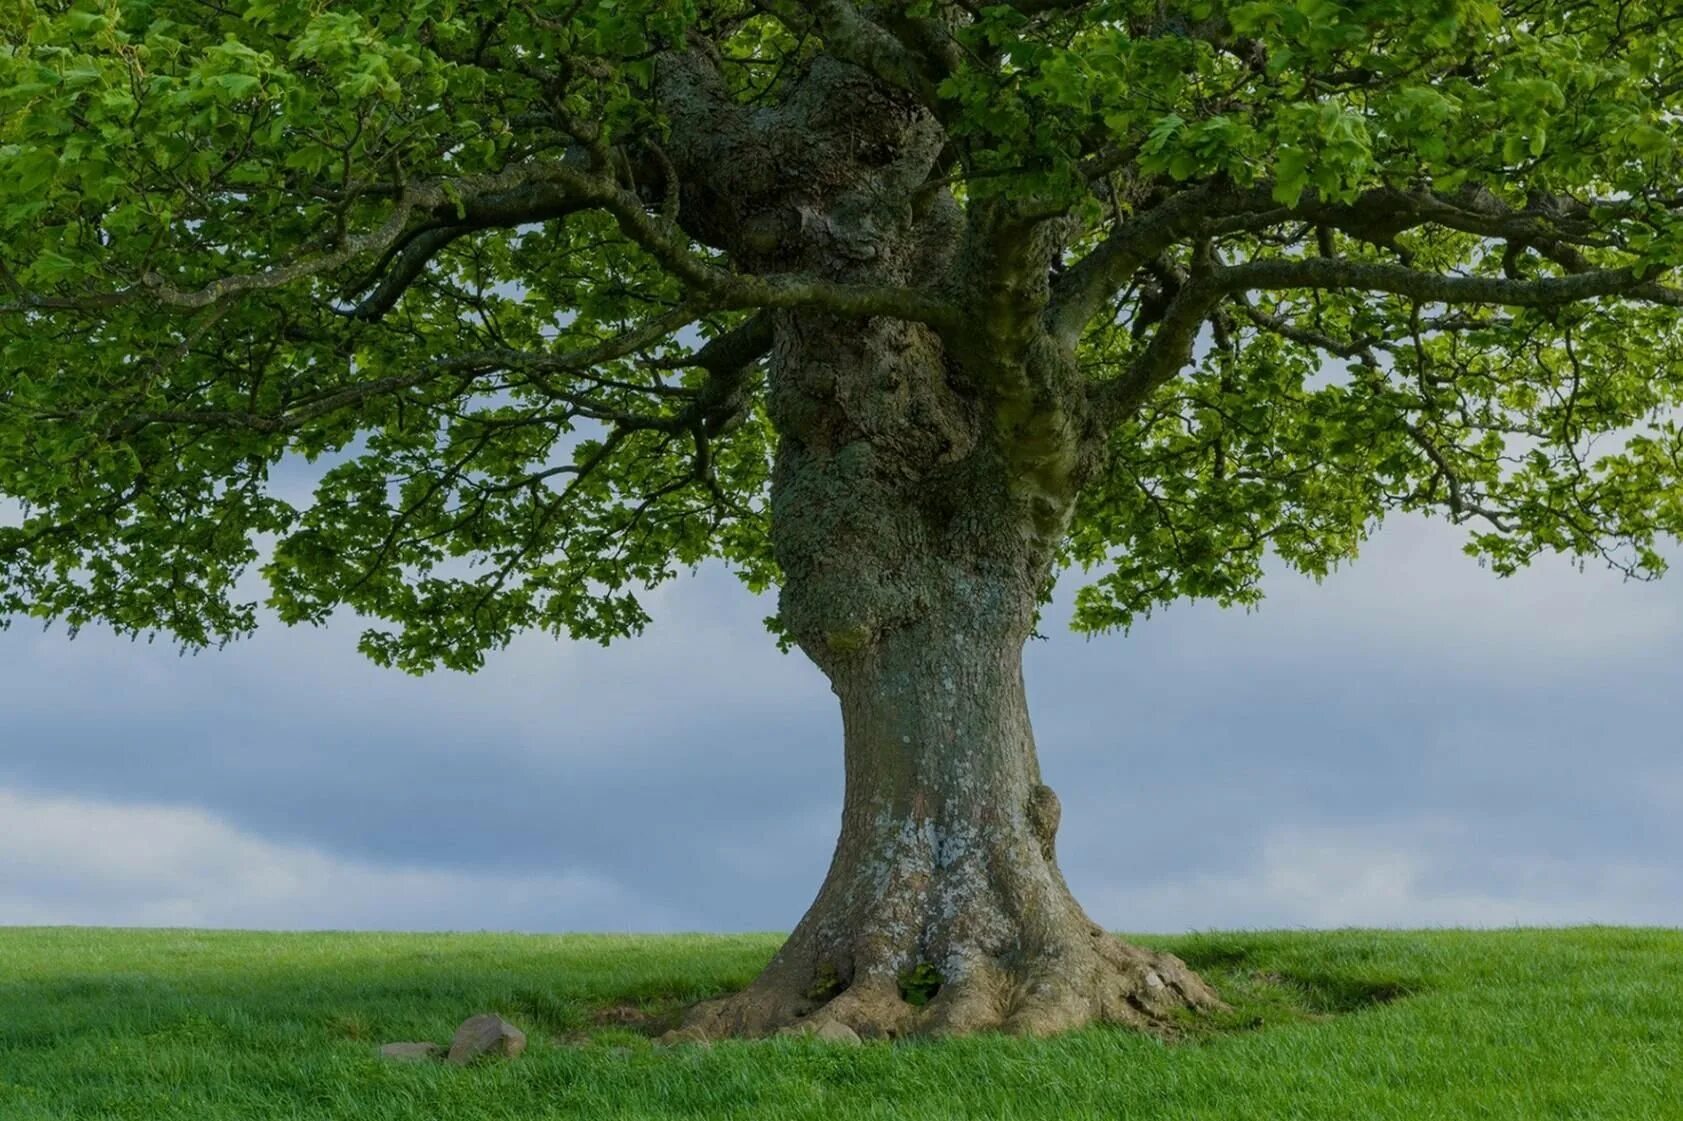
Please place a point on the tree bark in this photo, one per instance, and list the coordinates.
(944, 883)
(921, 487)
(913, 566)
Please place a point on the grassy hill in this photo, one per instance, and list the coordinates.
(1345, 1026)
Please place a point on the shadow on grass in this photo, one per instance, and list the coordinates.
(1336, 995)
(570, 1020)
(1263, 991)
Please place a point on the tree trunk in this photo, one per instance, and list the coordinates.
(917, 502)
(944, 884)
(912, 572)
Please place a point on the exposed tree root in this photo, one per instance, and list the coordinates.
(1091, 979)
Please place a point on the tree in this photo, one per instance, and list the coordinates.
(899, 308)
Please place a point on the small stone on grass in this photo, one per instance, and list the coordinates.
(487, 1034)
(825, 1031)
(678, 1037)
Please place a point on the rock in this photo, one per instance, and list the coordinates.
(487, 1034)
(411, 1052)
(678, 1037)
(834, 1031)
(825, 1031)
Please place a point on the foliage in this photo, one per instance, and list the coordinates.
(920, 983)
(1321, 260)
(207, 1025)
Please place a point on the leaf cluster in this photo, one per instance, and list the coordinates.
(404, 302)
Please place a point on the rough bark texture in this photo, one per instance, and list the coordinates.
(945, 875)
(913, 554)
(920, 488)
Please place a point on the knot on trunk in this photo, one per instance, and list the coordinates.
(1044, 814)
(850, 639)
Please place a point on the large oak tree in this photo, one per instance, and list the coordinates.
(897, 307)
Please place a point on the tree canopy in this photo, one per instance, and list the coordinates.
(1315, 261)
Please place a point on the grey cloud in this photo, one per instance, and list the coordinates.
(1412, 734)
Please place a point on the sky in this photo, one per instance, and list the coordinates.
(1412, 742)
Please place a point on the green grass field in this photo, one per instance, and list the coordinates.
(1351, 1025)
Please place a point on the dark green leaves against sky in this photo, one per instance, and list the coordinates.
(195, 198)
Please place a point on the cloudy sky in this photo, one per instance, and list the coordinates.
(1411, 743)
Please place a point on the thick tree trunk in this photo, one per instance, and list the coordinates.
(913, 561)
(921, 487)
(944, 884)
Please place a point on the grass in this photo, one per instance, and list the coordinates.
(1349, 1025)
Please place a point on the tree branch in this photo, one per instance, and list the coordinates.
(1326, 273)
(1171, 345)
(853, 38)
(548, 188)
(405, 260)
(1165, 356)
(1086, 286)
(727, 359)
(474, 364)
